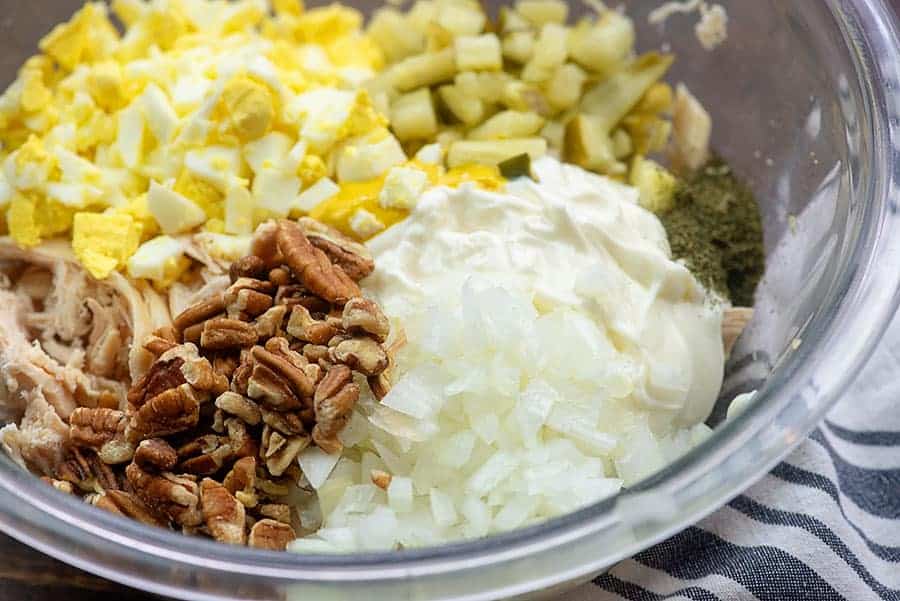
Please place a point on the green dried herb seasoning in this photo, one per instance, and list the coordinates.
(715, 227)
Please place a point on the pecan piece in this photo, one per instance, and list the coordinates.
(302, 325)
(102, 430)
(223, 333)
(174, 496)
(208, 463)
(269, 323)
(224, 364)
(250, 266)
(248, 297)
(381, 384)
(276, 511)
(288, 364)
(241, 481)
(316, 352)
(87, 471)
(364, 316)
(312, 267)
(354, 258)
(199, 312)
(280, 276)
(734, 320)
(128, 505)
(335, 397)
(361, 354)
(157, 345)
(177, 366)
(175, 410)
(280, 451)
(271, 535)
(265, 245)
(293, 294)
(270, 389)
(240, 441)
(223, 515)
(287, 423)
(239, 405)
(155, 454)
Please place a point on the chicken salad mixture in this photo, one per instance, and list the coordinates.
(290, 278)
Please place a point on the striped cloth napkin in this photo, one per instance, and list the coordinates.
(824, 524)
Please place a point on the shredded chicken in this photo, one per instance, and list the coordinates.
(40, 439)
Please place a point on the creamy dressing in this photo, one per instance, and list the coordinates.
(574, 240)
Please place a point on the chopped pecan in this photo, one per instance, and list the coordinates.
(311, 266)
(162, 376)
(276, 511)
(271, 535)
(280, 276)
(242, 444)
(364, 316)
(241, 377)
(294, 294)
(353, 257)
(172, 411)
(270, 489)
(223, 514)
(157, 345)
(270, 389)
(302, 325)
(209, 462)
(218, 423)
(241, 481)
(248, 297)
(128, 505)
(364, 355)
(381, 479)
(174, 496)
(288, 364)
(223, 333)
(265, 245)
(335, 397)
(87, 471)
(174, 368)
(199, 312)
(280, 451)
(269, 323)
(103, 430)
(239, 405)
(155, 454)
(250, 266)
(316, 352)
(193, 333)
(286, 423)
(224, 364)
(381, 384)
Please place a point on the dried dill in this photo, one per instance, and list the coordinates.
(716, 228)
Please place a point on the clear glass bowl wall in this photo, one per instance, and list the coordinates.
(805, 105)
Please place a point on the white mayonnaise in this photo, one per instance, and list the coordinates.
(574, 240)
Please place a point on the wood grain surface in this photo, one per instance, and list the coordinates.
(26, 575)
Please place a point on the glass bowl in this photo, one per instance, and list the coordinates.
(805, 103)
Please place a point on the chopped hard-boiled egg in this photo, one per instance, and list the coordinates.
(173, 212)
(364, 224)
(103, 242)
(362, 160)
(160, 259)
(402, 188)
(212, 115)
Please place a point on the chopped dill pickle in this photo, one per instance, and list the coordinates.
(517, 166)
